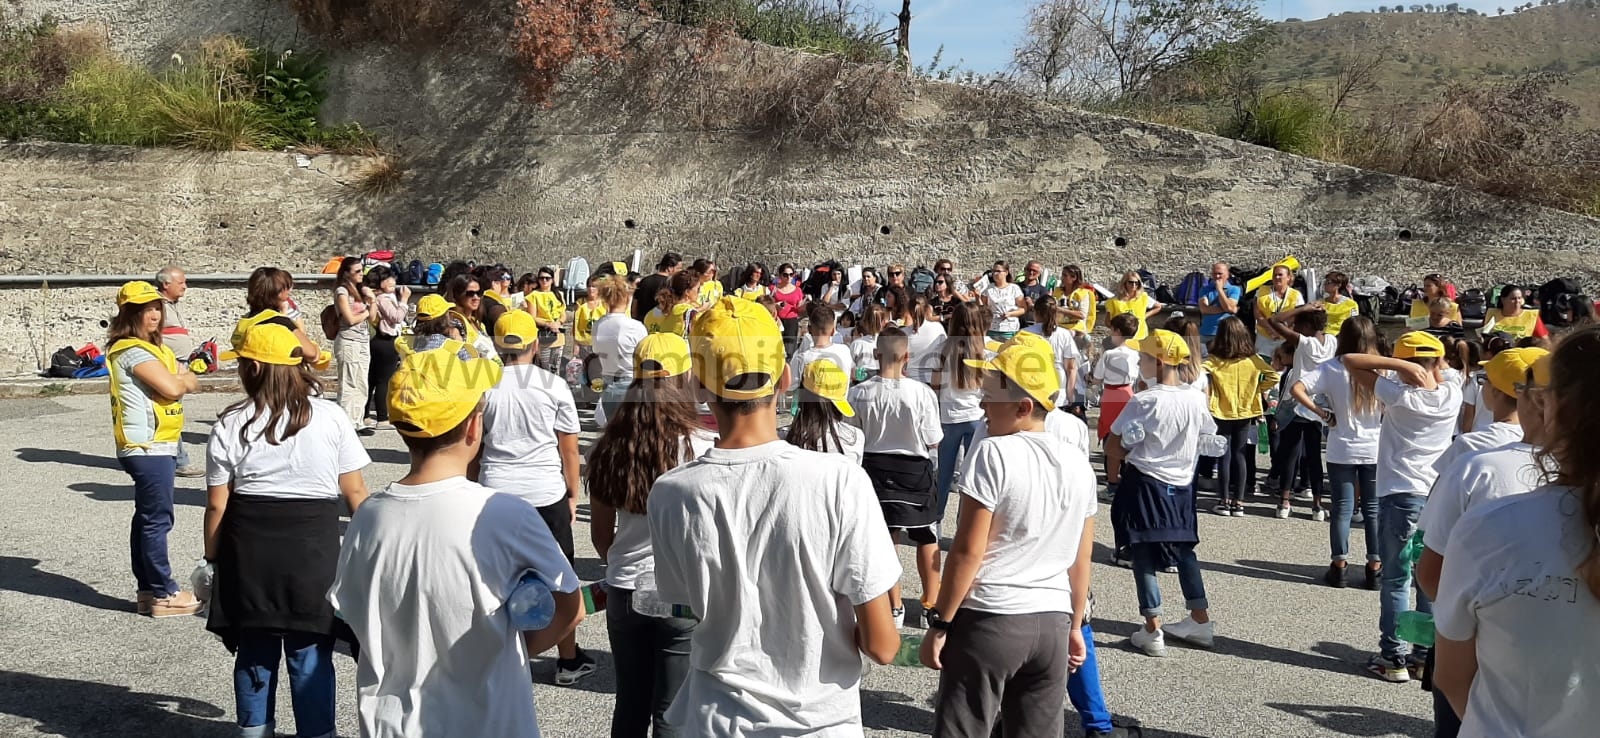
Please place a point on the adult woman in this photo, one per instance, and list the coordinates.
(942, 298)
(353, 345)
(788, 296)
(924, 338)
(1434, 286)
(616, 336)
(147, 389)
(869, 292)
(1511, 317)
(1077, 301)
(676, 306)
(819, 419)
(1353, 416)
(1133, 300)
(752, 283)
(653, 430)
(390, 306)
(708, 288)
(1271, 299)
(549, 313)
(268, 297)
(1338, 305)
(1520, 590)
(279, 461)
(465, 297)
(1003, 299)
(960, 390)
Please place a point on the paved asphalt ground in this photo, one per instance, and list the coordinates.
(76, 661)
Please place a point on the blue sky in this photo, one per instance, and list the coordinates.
(980, 33)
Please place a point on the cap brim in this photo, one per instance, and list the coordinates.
(844, 408)
(228, 356)
(984, 364)
(141, 299)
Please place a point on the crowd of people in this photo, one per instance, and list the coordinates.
(750, 564)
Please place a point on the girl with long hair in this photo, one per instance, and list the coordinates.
(1047, 325)
(924, 338)
(147, 388)
(268, 296)
(708, 289)
(353, 344)
(942, 298)
(819, 420)
(1519, 593)
(1238, 379)
(676, 306)
(960, 390)
(280, 461)
(1133, 300)
(616, 337)
(1077, 300)
(863, 348)
(1003, 298)
(652, 431)
(1190, 373)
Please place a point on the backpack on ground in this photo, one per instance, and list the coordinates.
(92, 368)
(1148, 279)
(64, 362)
(921, 280)
(415, 272)
(1408, 296)
(1554, 288)
(1188, 291)
(330, 322)
(1389, 302)
(1557, 311)
(1474, 304)
(1165, 296)
(434, 273)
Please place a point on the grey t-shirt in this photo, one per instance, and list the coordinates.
(357, 332)
(138, 411)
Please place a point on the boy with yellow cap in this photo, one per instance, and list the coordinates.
(530, 449)
(1017, 580)
(781, 634)
(428, 564)
(1420, 409)
(1156, 440)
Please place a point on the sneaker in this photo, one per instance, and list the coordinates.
(1222, 509)
(173, 605)
(1334, 577)
(142, 601)
(1202, 635)
(1373, 575)
(383, 425)
(1170, 570)
(192, 470)
(1118, 731)
(899, 614)
(1283, 512)
(1304, 495)
(1389, 670)
(1151, 642)
(1238, 511)
(569, 671)
(1319, 516)
(1357, 519)
(1417, 666)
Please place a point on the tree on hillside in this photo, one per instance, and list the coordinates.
(1056, 34)
(1499, 11)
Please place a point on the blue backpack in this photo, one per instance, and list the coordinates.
(1188, 292)
(434, 274)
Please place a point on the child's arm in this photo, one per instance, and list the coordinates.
(1408, 372)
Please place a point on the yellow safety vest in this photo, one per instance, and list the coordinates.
(168, 414)
(402, 346)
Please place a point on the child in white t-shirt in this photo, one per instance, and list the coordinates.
(863, 348)
(820, 330)
(1116, 372)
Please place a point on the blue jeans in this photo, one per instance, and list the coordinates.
(1397, 521)
(611, 397)
(255, 681)
(1347, 479)
(153, 478)
(957, 437)
(1083, 688)
(1148, 559)
(652, 660)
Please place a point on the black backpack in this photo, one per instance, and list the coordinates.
(1148, 279)
(1474, 304)
(921, 280)
(1557, 311)
(64, 362)
(1549, 291)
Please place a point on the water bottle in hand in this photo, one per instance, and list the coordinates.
(647, 600)
(910, 653)
(204, 576)
(531, 605)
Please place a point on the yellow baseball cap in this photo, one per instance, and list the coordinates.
(434, 391)
(734, 338)
(619, 268)
(1167, 347)
(270, 343)
(829, 382)
(515, 330)
(661, 355)
(1510, 368)
(433, 306)
(1029, 362)
(1418, 345)
(137, 293)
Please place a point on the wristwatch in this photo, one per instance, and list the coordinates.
(937, 621)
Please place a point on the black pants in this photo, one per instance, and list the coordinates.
(652, 660)
(1300, 445)
(791, 337)
(1233, 477)
(1003, 666)
(385, 361)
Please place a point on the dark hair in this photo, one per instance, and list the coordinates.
(454, 269)
(436, 326)
(847, 319)
(376, 275)
(1534, 342)
(1500, 300)
(1233, 341)
(820, 318)
(1310, 322)
(700, 266)
(678, 287)
(1124, 324)
(898, 301)
(892, 345)
(668, 261)
(1044, 313)
(963, 342)
(647, 436)
(1359, 335)
(749, 273)
(816, 422)
(527, 282)
(787, 267)
(281, 393)
(1074, 271)
(455, 291)
(1569, 456)
(127, 323)
(422, 448)
(1338, 279)
(262, 289)
(351, 285)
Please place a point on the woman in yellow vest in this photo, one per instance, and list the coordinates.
(549, 313)
(753, 282)
(465, 295)
(675, 306)
(1272, 299)
(1132, 299)
(437, 328)
(267, 296)
(147, 389)
(708, 287)
(1433, 288)
(1510, 317)
(1077, 301)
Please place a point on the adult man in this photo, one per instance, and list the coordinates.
(496, 295)
(644, 296)
(1033, 287)
(757, 527)
(173, 283)
(1218, 299)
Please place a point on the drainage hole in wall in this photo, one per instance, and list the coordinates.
(1405, 234)
(474, 231)
(629, 223)
(1119, 242)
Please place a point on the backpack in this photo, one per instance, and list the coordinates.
(1165, 296)
(414, 272)
(1557, 310)
(1474, 304)
(1553, 289)
(1389, 302)
(1148, 279)
(64, 362)
(820, 277)
(1407, 296)
(92, 368)
(1188, 292)
(330, 322)
(921, 280)
(434, 273)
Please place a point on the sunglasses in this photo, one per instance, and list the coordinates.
(786, 274)
(545, 278)
(895, 274)
(471, 293)
(1130, 284)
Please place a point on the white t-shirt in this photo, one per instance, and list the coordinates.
(630, 556)
(423, 573)
(1466, 444)
(1001, 301)
(1040, 492)
(1062, 343)
(959, 405)
(923, 346)
(1310, 352)
(1065, 427)
(1417, 426)
(1511, 582)
(1472, 394)
(616, 336)
(1472, 480)
(522, 417)
(305, 466)
(835, 352)
(1353, 439)
(1174, 417)
(743, 535)
(1118, 366)
(863, 353)
(896, 416)
(850, 441)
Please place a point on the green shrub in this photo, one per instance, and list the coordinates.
(106, 101)
(1289, 121)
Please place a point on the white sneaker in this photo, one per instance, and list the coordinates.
(1151, 642)
(1357, 519)
(1283, 512)
(1222, 509)
(1303, 495)
(1192, 633)
(1319, 516)
(899, 617)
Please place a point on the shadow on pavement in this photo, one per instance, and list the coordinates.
(25, 576)
(103, 492)
(70, 458)
(1336, 658)
(894, 711)
(78, 709)
(1358, 721)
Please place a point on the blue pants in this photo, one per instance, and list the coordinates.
(1083, 688)
(153, 478)
(255, 681)
(957, 438)
(1148, 561)
(1397, 521)
(1347, 479)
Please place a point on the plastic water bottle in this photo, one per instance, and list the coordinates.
(910, 653)
(1413, 551)
(531, 605)
(1415, 627)
(205, 574)
(1213, 445)
(647, 599)
(1135, 434)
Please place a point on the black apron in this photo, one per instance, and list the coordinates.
(275, 562)
(906, 487)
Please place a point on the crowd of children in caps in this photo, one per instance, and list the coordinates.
(750, 565)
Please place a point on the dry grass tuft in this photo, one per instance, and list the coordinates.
(382, 175)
